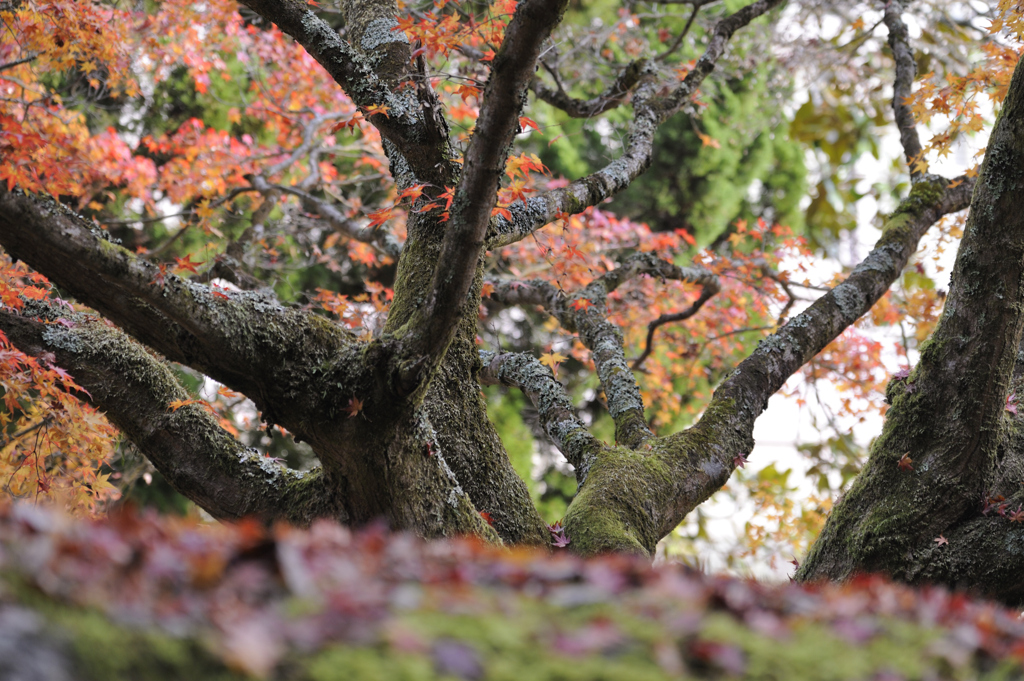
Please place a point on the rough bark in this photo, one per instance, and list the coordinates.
(300, 370)
(930, 519)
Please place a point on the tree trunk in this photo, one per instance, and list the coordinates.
(940, 498)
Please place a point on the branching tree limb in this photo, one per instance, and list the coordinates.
(557, 415)
(477, 191)
(230, 336)
(198, 458)
(947, 417)
(585, 312)
(369, 83)
(670, 476)
(612, 97)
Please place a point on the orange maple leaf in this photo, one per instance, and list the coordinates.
(379, 218)
(906, 463)
(355, 405)
(175, 405)
(33, 293)
(187, 264)
(376, 109)
(527, 123)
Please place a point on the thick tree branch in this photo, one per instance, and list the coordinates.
(476, 194)
(650, 111)
(245, 340)
(557, 415)
(780, 355)
(950, 423)
(906, 70)
(198, 458)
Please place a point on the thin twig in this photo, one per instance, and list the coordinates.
(679, 40)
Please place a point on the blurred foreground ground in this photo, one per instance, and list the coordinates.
(144, 597)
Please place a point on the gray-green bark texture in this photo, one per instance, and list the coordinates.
(420, 451)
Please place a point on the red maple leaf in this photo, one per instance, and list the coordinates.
(559, 538)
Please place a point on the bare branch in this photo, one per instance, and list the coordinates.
(649, 113)
(906, 70)
(705, 295)
(588, 108)
(381, 239)
(200, 459)
(308, 140)
(679, 39)
(18, 62)
(557, 415)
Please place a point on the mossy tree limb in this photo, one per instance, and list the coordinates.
(432, 327)
(649, 492)
(186, 444)
(585, 312)
(246, 340)
(557, 415)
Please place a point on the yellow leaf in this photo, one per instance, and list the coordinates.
(552, 359)
(204, 210)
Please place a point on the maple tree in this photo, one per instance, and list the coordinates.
(355, 230)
